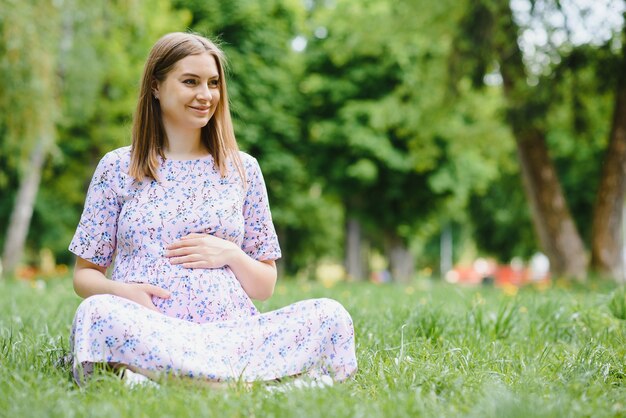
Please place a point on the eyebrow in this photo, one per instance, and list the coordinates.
(197, 76)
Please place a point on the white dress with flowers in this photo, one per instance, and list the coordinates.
(209, 327)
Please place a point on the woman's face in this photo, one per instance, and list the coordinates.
(190, 93)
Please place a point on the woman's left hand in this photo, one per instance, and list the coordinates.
(202, 251)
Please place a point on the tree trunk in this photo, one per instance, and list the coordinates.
(401, 262)
(554, 225)
(22, 213)
(354, 255)
(606, 233)
(445, 254)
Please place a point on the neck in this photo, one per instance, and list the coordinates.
(183, 143)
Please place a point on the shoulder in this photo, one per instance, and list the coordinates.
(112, 169)
(247, 160)
(117, 156)
(252, 170)
(116, 161)
(250, 164)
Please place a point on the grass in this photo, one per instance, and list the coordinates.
(427, 350)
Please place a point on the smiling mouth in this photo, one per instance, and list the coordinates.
(200, 109)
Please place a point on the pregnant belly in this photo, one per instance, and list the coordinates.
(198, 295)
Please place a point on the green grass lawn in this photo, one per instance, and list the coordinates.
(424, 350)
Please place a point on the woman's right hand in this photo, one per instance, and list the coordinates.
(90, 279)
(141, 293)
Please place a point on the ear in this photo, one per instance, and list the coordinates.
(155, 88)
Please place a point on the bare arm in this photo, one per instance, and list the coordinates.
(90, 279)
(257, 278)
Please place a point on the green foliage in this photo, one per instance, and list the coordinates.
(97, 52)
(578, 124)
(493, 215)
(424, 350)
(30, 32)
(397, 146)
(385, 116)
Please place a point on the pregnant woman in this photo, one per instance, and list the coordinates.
(184, 218)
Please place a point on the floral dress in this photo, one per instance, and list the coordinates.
(208, 328)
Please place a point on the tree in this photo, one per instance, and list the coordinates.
(607, 255)
(562, 108)
(86, 90)
(489, 32)
(29, 44)
(401, 151)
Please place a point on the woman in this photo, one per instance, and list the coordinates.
(184, 218)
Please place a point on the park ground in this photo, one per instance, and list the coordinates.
(425, 349)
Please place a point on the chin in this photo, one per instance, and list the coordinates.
(200, 123)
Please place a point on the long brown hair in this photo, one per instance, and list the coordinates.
(148, 134)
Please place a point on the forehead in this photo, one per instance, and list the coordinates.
(203, 65)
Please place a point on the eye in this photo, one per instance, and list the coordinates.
(190, 82)
(214, 83)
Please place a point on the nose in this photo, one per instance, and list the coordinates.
(204, 93)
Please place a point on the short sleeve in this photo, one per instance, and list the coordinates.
(260, 241)
(94, 239)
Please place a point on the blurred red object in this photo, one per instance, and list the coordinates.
(484, 271)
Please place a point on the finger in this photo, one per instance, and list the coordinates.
(193, 235)
(185, 259)
(157, 291)
(179, 251)
(200, 264)
(183, 243)
(146, 301)
(174, 245)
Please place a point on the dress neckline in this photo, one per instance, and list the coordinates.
(165, 160)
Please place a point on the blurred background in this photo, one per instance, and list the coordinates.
(472, 140)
